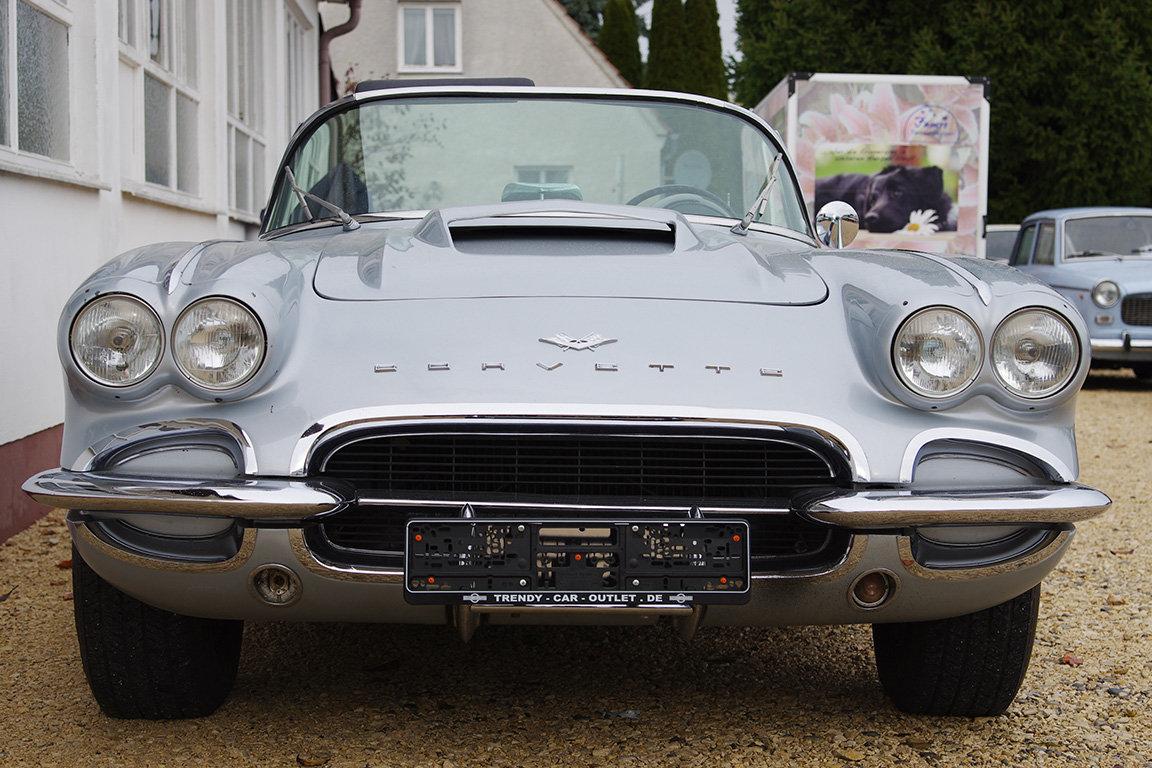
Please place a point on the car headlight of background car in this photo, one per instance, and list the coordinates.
(1106, 294)
(116, 340)
(218, 343)
(1035, 353)
(937, 352)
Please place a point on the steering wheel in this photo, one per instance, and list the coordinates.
(681, 193)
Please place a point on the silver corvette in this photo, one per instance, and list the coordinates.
(506, 354)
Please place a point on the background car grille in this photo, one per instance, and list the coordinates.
(370, 535)
(1137, 309)
(586, 468)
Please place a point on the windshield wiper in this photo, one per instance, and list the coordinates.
(1079, 254)
(761, 201)
(304, 196)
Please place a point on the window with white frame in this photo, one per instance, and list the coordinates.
(300, 69)
(246, 143)
(34, 114)
(430, 37)
(543, 174)
(159, 49)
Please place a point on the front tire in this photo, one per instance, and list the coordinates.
(143, 662)
(970, 666)
(1143, 371)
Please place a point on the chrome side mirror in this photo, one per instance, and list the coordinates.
(837, 224)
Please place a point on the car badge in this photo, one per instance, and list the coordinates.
(565, 342)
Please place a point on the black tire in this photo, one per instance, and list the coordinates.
(1143, 371)
(970, 666)
(142, 662)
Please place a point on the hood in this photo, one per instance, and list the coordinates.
(1125, 271)
(590, 252)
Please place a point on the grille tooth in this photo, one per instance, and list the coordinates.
(1137, 309)
(580, 468)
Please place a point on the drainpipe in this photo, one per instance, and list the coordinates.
(326, 38)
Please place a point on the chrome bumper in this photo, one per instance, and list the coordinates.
(258, 500)
(876, 510)
(273, 501)
(1125, 348)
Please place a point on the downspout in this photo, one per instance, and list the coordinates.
(326, 38)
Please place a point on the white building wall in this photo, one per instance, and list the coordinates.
(499, 38)
(63, 218)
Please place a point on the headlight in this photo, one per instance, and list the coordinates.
(937, 352)
(116, 340)
(218, 343)
(1106, 294)
(1035, 352)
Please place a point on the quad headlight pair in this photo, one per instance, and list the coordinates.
(117, 340)
(938, 352)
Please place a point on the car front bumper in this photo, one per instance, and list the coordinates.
(1125, 349)
(269, 516)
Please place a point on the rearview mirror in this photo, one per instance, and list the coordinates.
(837, 224)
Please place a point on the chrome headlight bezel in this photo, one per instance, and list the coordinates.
(177, 343)
(1105, 287)
(977, 362)
(1075, 356)
(157, 329)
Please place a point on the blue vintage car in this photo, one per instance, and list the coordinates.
(1100, 259)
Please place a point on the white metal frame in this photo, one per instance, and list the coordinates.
(180, 80)
(8, 91)
(429, 38)
(252, 126)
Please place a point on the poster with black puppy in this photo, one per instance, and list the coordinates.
(897, 189)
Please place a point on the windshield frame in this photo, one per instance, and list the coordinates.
(353, 101)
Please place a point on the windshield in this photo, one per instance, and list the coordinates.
(431, 152)
(1108, 236)
(998, 244)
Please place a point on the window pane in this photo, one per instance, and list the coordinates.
(128, 21)
(186, 34)
(444, 37)
(156, 42)
(187, 151)
(157, 132)
(414, 53)
(4, 74)
(242, 181)
(42, 82)
(258, 190)
(1044, 244)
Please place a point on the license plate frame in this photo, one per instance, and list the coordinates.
(611, 563)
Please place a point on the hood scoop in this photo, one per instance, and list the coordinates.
(533, 249)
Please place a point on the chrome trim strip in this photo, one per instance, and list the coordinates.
(1127, 344)
(263, 500)
(1060, 470)
(309, 560)
(90, 457)
(871, 510)
(511, 414)
(686, 509)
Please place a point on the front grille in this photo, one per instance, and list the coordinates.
(580, 468)
(374, 536)
(1137, 309)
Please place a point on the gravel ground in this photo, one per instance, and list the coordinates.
(357, 695)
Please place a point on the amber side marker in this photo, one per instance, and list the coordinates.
(872, 589)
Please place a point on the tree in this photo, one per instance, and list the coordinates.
(619, 40)
(705, 55)
(1071, 98)
(586, 13)
(667, 48)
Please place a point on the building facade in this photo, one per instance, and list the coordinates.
(398, 39)
(123, 123)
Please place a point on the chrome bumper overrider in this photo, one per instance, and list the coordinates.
(279, 502)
